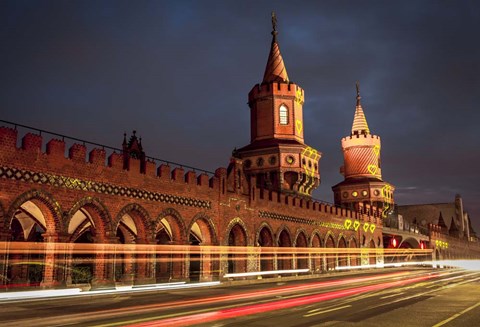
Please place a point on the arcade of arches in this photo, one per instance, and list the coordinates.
(35, 217)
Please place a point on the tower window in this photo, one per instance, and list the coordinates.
(283, 115)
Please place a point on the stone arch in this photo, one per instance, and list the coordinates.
(330, 256)
(98, 213)
(259, 230)
(140, 217)
(284, 239)
(301, 241)
(231, 224)
(205, 266)
(38, 268)
(208, 226)
(176, 222)
(169, 230)
(353, 244)
(342, 257)
(297, 234)
(280, 230)
(316, 235)
(49, 207)
(132, 226)
(236, 235)
(316, 242)
(265, 238)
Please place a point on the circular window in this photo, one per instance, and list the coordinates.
(260, 162)
(290, 160)
(345, 194)
(248, 163)
(354, 194)
(272, 160)
(376, 192)
(364, 193)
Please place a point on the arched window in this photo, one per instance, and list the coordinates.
(283, 115)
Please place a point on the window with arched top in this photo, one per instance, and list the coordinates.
(283, 115)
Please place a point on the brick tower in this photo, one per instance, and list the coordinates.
(362, 168)
(277, 157)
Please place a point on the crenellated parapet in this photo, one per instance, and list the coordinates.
(29, 159)
(287, 89)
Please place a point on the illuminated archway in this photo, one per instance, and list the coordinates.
(330, 257)
(302, 258)
(35, 217)
(353, 257)
(342, 257)
(202, 266)
(88, 222)
(316, 242)
(170, 230)
(265, 239)
(237, 236)
(284, 260)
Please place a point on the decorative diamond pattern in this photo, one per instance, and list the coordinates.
(273, 215)
(77, 184)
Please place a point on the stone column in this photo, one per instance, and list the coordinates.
(104, 270)
(54, 261)
(5, 237)
(144, 263)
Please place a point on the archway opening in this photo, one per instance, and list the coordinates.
(330, 258)
(302, 257)
(265, 239)
(342, 256)
(237, 262)
(353, 257)
(316, 257)
(284, 260)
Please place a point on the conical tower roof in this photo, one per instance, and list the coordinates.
(360, 125)
(275, 70)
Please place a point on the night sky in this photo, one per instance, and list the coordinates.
(179, 73)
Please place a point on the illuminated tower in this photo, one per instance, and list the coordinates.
(362, 168)
(277, 156)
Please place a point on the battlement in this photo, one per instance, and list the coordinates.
(276, 88)
(359, 140)
(305, 207)
(69, 163)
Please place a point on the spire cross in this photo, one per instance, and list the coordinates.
(358, 93)
(274, 21)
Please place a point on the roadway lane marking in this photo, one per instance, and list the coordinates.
(441, 323)
(325, 311)
(392, 295)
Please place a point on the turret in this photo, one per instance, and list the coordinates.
(362, 167)
(277, 155)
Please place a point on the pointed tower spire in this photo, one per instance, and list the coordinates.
(360, 125)
(275, 70)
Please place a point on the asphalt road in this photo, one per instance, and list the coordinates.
(389, 297)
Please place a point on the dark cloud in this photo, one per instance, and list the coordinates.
(179, 72)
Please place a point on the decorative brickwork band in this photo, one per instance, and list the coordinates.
(273, 215)
(98, 187)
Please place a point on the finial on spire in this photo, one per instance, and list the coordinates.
(358, 93)
(274, 25)
(274, 21)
